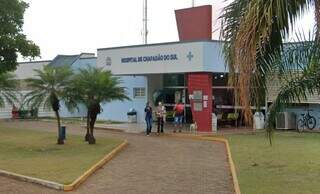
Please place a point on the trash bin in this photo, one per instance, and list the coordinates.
(62, 132)
(258, 120)
(132, 116)
(214, 123)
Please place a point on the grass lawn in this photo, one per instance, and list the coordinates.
(291, 165)
(35, 154)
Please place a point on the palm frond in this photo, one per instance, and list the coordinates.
(8, 89)
(296, 90)
(298, 72)
(51, 81)
(253, 30)
(95, 85)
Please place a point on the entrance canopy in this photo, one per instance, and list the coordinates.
(174, 57)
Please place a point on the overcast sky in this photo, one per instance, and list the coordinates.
(75, 26)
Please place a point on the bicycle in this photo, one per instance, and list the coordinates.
(307, 121)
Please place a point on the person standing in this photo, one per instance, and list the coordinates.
(14, 112)
(148, 118)
(178, 116)
(161, 112)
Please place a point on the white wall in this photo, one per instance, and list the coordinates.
(5, 112)
(26, 69)
(206, 57)
(314, 111)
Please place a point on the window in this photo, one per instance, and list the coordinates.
(139, 92)
(220, 79)
(170, 80)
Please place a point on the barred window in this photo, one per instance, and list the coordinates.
(139, 92)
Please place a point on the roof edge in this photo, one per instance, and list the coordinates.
(89, 58)
(87, 53)
(40, 61)
(158, 44)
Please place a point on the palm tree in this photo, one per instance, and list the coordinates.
(48, 88)
(91, 87)
(8, 86)
(254, 32)
(299, 75)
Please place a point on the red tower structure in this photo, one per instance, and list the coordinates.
(196, 24)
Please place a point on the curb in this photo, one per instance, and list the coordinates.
(230, 160)
(77, 182)
(49, 184)
(95, 167)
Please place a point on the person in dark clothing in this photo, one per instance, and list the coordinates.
(148, 117)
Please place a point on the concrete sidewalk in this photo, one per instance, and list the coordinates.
(168, 127)
(154, 164)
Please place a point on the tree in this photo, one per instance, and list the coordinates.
(299, 74)
(91, 87)
(48, 89)
(12, 41)
(254, 32)
(8, 86)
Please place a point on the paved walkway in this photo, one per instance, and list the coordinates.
(148, 165)
(169, 127)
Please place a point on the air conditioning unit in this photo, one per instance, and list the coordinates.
(286, 120)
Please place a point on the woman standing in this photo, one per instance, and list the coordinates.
(148, 117)
(161, 113)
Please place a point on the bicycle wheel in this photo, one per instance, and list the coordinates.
(311, 122)
(300, 125)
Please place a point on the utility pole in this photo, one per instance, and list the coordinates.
(145, 22)
(192, 3)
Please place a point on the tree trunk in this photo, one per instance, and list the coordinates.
(88, 127)
(60, 141)
(317, 19)
(93, 111)
(93, 118)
